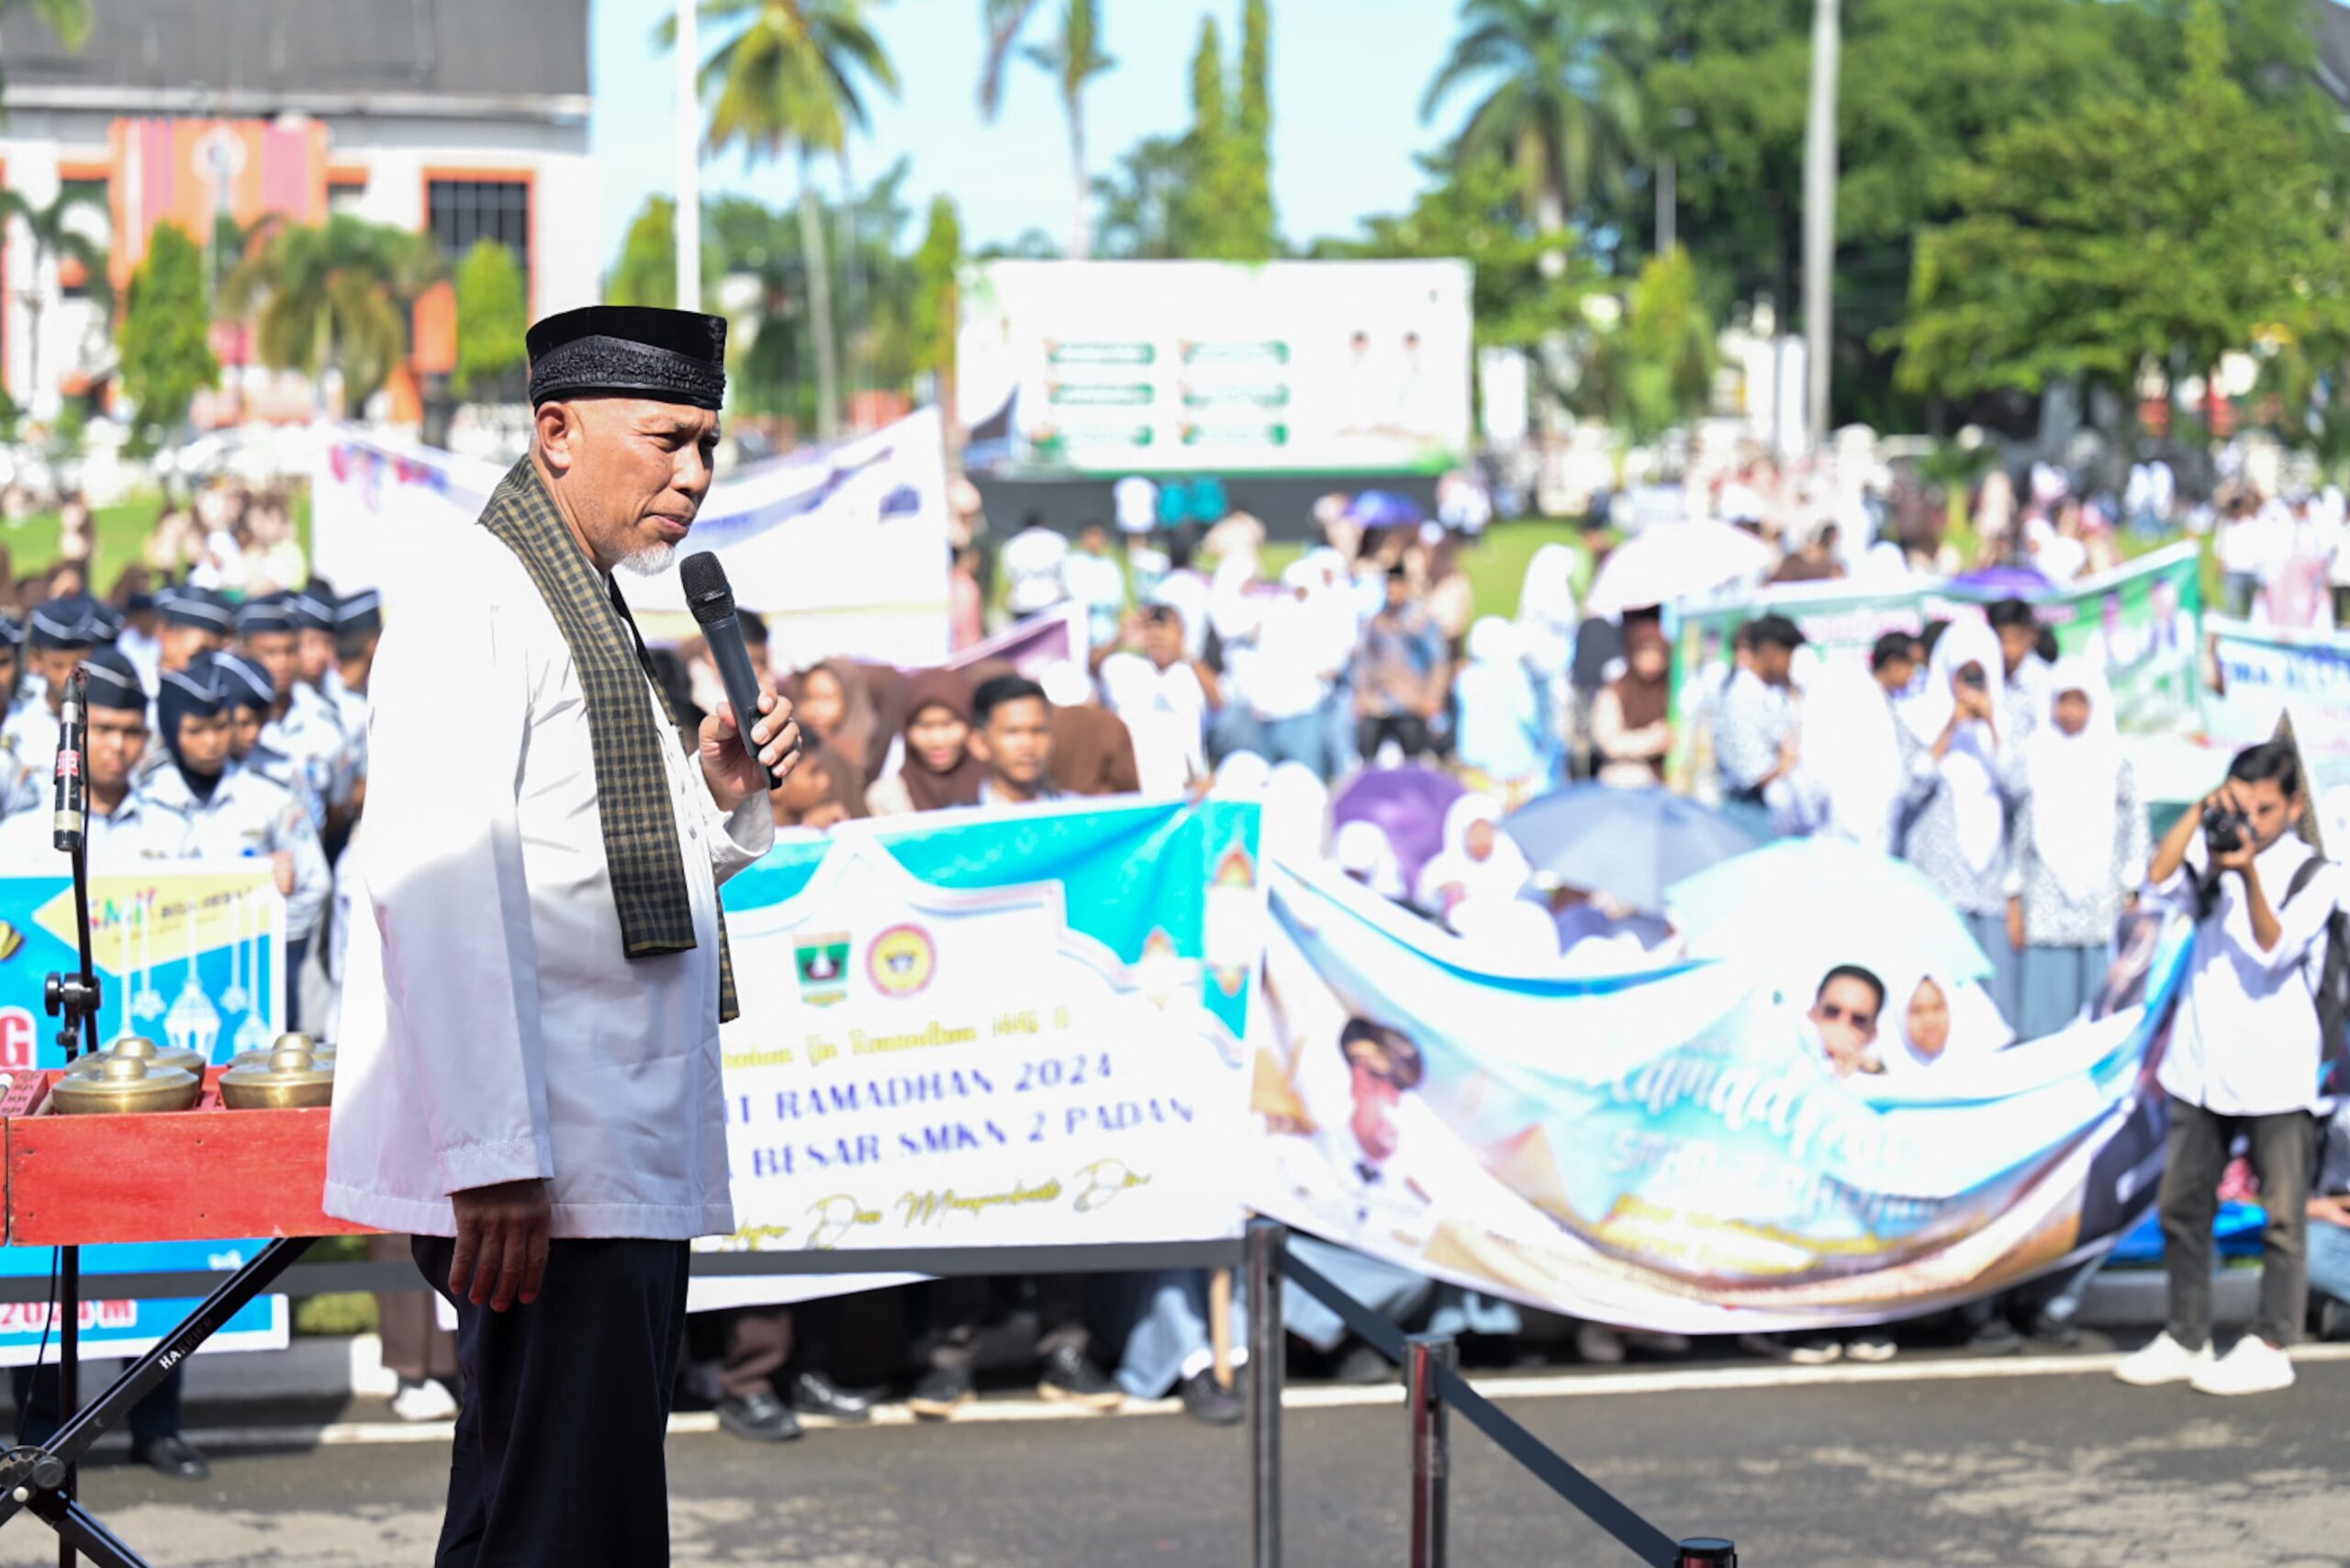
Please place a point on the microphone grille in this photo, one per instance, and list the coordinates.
(704, 581)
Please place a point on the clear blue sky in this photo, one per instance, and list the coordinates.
(1348, 76)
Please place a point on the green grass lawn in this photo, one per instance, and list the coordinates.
(1495, 563)
(121, 536)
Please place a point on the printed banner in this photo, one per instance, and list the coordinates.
(2143, 621)
(1670, 1151)
(1157, 367)
(843, 547)
(190, 954)
(991, 1029)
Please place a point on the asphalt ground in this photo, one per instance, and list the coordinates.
(2038, 1462)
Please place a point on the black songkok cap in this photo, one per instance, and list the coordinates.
(629, 350)
(312, 612)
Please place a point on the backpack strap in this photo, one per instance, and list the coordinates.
(2303, 874)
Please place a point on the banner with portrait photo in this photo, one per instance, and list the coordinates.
(1671, 1149)
(191, 955)
(991, 1028)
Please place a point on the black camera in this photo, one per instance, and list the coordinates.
(2226, 830)
(1972, 679)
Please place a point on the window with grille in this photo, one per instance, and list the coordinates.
(461, 213)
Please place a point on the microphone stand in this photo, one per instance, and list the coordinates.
(74, 1000)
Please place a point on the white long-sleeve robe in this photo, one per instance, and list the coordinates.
(492, 1029)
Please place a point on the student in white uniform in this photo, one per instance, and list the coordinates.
(234, 811)
(299, 726)
(20, 786)
(57, 636)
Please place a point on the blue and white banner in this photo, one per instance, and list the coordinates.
(1672, 1149)
(2267, 673)
(191, 955)
(991, 1028)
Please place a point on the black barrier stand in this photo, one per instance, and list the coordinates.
(1431, 1445)
(1266, 1240)
(1595, 1501)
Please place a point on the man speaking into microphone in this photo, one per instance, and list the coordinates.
(528, 1074)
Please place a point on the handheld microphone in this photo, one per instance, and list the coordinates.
(72, 797)
(713, 603)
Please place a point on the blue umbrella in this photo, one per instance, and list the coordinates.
(1827, 902)
(1629, 844)
(1386, 508)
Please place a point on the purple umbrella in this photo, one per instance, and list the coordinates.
(2016, 582)
(1386, 508)
(1407, 804)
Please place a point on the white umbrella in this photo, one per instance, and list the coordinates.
(1675, 561)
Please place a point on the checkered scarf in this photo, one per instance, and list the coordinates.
(624, 726)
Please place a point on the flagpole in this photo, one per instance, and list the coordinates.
(689, 231)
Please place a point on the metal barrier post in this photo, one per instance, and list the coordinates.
(1266, 1239)
(1706, 1552)
(1431, 1445)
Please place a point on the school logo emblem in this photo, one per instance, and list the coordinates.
(900, 960)
(822, 963)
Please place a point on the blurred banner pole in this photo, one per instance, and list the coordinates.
(689, 240)
(1820, 214)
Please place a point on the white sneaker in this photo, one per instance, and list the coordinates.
(2164, 1360)
(2254, 1366)
(427, 1401)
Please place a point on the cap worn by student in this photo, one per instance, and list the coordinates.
(113, 683)
(244, 684)
(201, 608)
(629, 351)
(263, 616)
(310, 611)
(12, 635)
(68, 623)
(363, 612)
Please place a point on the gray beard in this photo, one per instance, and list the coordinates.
(651, 561)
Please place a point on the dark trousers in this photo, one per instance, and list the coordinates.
(758, 1341)
(1408, 731)
(958, 1312)
(557, 1460)
(297, 953)
(2283, 1149)
(38, 1418)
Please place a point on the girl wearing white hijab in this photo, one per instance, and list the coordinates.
(1364, 852)
(1501, 736)
(2081, 845)
(1957, 798)
(1478, 859)
(1930, 1020)
(1548, 620)
(1295, 826)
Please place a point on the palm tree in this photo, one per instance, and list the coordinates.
(1561, 85)
(1073, 58)
(792, 76)
(50, 231)
(334, 294)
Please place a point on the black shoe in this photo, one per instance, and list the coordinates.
(2057, 1333)
(758, 1418)
(1996, 1337)
(1070, 1379)
(1209, 1401)
(1362, 1367)
(813, 1393)
(941, 1392)
(171, 1455)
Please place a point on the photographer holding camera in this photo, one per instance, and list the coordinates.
(2244, 1057)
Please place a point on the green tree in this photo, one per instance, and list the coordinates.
(1139, 209)
(1072, 59)
(646, 273)
(1210, 216)
(2128, 230)
(48, 227)
(937, 313)
(492, 316)
(1253, 145)
(334, 295)
(165, 338)
(1652, 369)
(792, 78)
(1558, 96)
